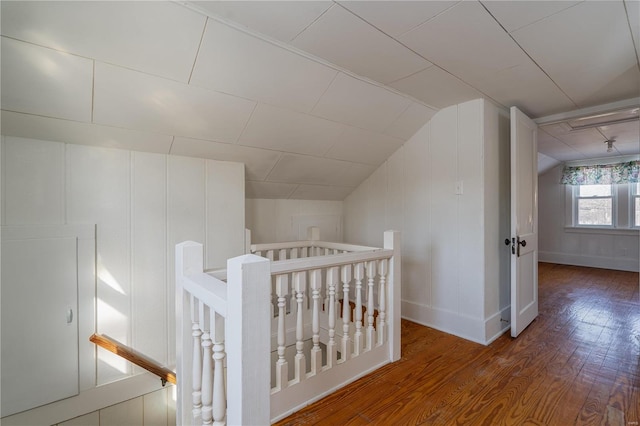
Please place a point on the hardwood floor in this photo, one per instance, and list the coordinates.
(578, 363)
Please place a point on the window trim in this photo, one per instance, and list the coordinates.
(575, 198)
(634, 194)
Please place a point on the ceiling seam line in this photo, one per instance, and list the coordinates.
(244, 128)
(272, 167)
(526, 53)
(173, 139)
(433, 17)
(195, 59)
(312, 22)
(98, 124)
(633, 41)
(326, 89)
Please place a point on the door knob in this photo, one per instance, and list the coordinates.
(507, 241)
(523, 243)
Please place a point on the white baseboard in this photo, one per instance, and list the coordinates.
(620, 264)
(495, 326)
(450, 322)
(86, 402)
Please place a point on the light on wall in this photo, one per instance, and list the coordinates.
(609, 145)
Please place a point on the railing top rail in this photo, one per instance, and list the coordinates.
(282, 245)
(316, 262)
(209, 290)
(310, 243)
(343, 246)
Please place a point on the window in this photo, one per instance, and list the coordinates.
(594, 205)
(635, 204)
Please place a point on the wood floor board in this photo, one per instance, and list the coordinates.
(578, 363)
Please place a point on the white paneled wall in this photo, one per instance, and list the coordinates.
(600, 248)
(287, 220)
(152, 409)
(143, 204)
(444, 190)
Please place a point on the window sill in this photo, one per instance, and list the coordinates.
(602, 230)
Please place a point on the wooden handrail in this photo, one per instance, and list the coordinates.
(134, 356)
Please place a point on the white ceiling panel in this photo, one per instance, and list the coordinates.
(45, 82)
(466, 41)
(623, 133)
(633, 13)
(552, 147)
(397, 17)
(410, 121)
(587, 50)
(282, 20)
(269, 190)
(362, 146)
(627, 148)
(318, 192)
(355, 102)
(237, 63)
(528, 88)
(574, 137)
(160, 38)
(258, 162)
(126, 98)
(437, 87)
(293, 168)
(342, 38)
(285, 130)
(65, 131)
(517, 14)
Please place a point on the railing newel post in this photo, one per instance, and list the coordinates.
(392, 241)
(247, 341)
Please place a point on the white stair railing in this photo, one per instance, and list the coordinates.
(331, 311)
(216, 328)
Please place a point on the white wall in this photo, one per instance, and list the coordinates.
(143, 204)
(454, 272)
(600, 248)
(287, 220)
(153, 409)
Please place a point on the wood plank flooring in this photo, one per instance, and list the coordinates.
(578, 363)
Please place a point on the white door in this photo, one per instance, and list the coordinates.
(39, 320)
(524, 221)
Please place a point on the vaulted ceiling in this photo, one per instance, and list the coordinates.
(311, 95)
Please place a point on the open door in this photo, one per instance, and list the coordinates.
(524, 221)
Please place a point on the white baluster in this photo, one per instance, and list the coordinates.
(304, 252)
(327, 252)
(293, 253)
(207, 368)
(270, 255)
(219, 405)
(196, 364)
(358, 337)
(299, 281)
(371, 275)
(283, 254)
(332, 350)
(282, 367)
(382, 302)
(315, 278)
(346, 312)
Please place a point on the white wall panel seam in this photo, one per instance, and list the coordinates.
(4, 180)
